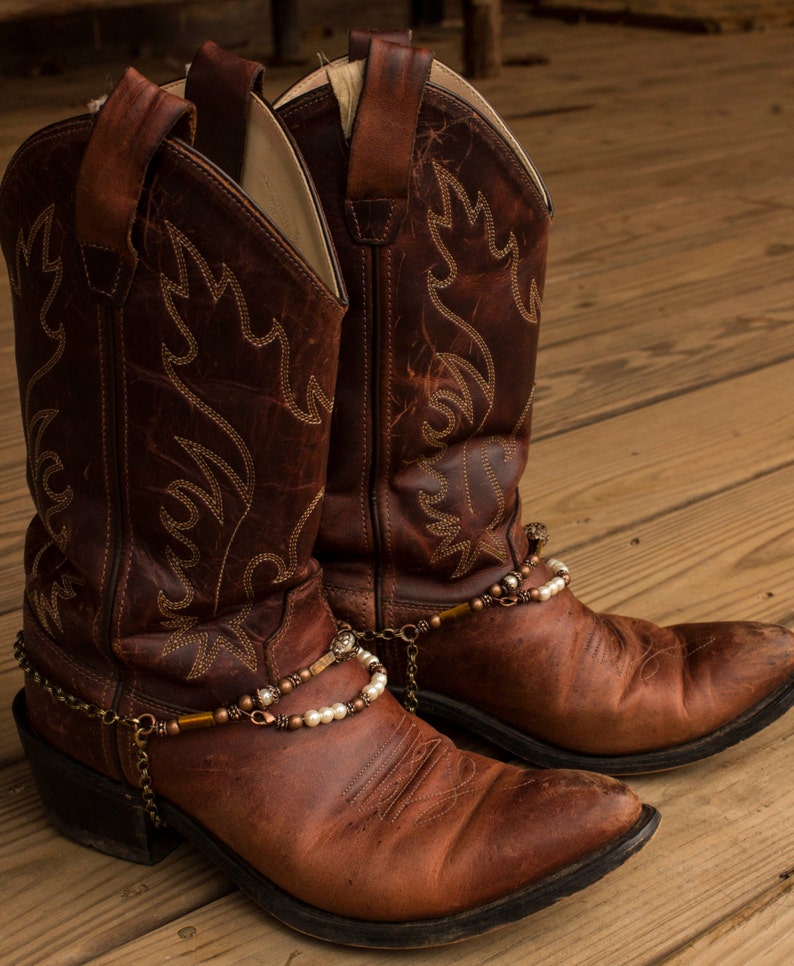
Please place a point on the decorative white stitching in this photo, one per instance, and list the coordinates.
(193, 496)
(450, 403)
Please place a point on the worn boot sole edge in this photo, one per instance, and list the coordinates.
(108, 815)
(545, 755)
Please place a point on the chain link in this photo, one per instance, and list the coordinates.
(504, 594)
(141, 727)
(411, 698)
(147, 789)
(408, 633)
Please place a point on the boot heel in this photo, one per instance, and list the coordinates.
(88, 807)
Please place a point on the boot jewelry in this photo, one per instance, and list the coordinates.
(506, 593)
(253, 707)
(256, 706)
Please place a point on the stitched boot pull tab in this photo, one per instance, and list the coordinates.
(382, 142)
(220, 83)
(129, 128)
(359, 41)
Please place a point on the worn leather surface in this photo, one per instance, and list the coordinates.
(112, 175)
(428, 411)
(430, 437)
(177, 458)
(381, 157)
(359, 40)
(222, 82)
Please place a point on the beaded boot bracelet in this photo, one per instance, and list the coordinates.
(254, 708)
(505, 593)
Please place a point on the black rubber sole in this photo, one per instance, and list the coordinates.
(110, 816)
(545, 755)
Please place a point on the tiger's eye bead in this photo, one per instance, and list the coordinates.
(294, 722)
(172, 727)
(245, 703)
(221, 715)
(285, 685)
(305, 675)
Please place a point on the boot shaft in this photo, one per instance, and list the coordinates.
(433, 410)
(177, 361)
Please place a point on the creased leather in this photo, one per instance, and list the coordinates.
(430, 438)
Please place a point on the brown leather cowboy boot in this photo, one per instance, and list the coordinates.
(440, 222)
(177, 339)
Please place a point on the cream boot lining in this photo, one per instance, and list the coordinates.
(347, 80)
(274, 180)
(346, 85)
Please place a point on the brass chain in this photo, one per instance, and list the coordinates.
(141, 736)
(408, 633)
(411, 698)
(537, 536)
(141, 727)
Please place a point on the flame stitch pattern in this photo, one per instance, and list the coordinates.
(451, 403)
(318, 403)
(192, 496)
(44, 463)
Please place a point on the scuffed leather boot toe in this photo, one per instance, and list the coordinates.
(563, 686)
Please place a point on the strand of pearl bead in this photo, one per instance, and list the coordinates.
(343, 647)
(507, 592)
(336, 712)
(551, 588)
(256, 707)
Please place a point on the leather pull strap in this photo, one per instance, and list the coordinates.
(220, 83)
(131, 125)
(382, 142)
(359, 41)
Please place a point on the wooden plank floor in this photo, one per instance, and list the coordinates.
(663, 464)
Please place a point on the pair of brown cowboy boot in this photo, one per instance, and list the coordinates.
(229, 367)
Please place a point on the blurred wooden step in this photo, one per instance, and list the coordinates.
(698, 16)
